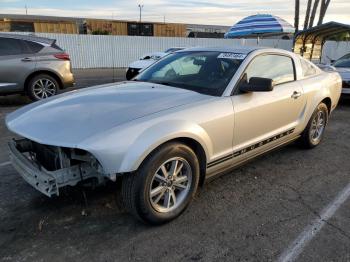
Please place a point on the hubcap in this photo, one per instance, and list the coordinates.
(44, 88)
(170, 185)
(317, 127)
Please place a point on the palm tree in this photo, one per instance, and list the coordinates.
(313, 13)
(296, 17)
(307, 15)
(323, 10)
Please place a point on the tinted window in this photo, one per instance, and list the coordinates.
(181, 67)
(10, 46)
(308, 68)
(34, 47)
(276, 67)
(343, 62)
(204, 72)
(345, 57)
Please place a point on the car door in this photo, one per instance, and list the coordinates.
(264, 119)
(17, 61)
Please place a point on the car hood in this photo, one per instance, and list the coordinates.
(70, 118)
(344, 72)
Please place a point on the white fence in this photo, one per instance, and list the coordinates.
(94, 51)
(99, 51)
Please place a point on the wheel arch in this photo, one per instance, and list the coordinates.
(197, 149)
(136, 158)
(328, 102)
(39, 72)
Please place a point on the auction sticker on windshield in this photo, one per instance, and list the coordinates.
(232, 56)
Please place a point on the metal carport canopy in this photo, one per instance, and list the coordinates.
(309, 43)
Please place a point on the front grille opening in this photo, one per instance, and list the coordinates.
(47, 156)
(52, 158)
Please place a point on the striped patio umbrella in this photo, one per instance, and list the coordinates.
(259, 25)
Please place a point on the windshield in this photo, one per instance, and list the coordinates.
(203, 72)
(343, 61)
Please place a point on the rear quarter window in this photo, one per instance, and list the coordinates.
(34, 47)
(308, 68)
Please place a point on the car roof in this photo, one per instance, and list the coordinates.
(32, 38)
(238, 49)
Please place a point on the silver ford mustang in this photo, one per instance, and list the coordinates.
(192, 115)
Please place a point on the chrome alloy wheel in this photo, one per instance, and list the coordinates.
(170, 185)
(43, 88)
(318, 126)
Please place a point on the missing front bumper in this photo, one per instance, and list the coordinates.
(47, 182)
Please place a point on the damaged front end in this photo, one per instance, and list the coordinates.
(49, 168)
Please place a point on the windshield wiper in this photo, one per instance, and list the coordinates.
(164, 83)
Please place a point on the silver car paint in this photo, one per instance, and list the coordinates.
(120, 127)
(344, 72)
(16, 69)
(345, 75)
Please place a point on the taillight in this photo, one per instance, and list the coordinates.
(62, 56)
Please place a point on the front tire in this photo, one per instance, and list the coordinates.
(314, 131)
(42, 86)
(164, 185)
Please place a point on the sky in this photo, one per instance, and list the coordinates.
(218, 12)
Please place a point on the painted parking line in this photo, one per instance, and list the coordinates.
(5, 163)
(309, 232)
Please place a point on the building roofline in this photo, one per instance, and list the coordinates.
(81, 19)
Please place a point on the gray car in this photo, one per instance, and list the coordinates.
(342, 66)
(33, 66)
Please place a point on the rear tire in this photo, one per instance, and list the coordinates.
(42, 86)
(313, 134)
(164, 185)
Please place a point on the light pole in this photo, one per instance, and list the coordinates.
(140, 6)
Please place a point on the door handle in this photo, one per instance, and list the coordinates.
(27, 59)
(296, 95)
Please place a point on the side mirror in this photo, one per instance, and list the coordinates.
(257, 84)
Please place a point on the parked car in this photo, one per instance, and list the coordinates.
(33, 66)
(342, 66)
(193, 115)
(147, 60)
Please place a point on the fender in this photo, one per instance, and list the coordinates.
(159, 134)
(315, 97)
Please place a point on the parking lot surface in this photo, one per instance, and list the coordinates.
(251, 214)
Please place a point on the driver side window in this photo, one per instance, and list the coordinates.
(279, 68)
(181, 67)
